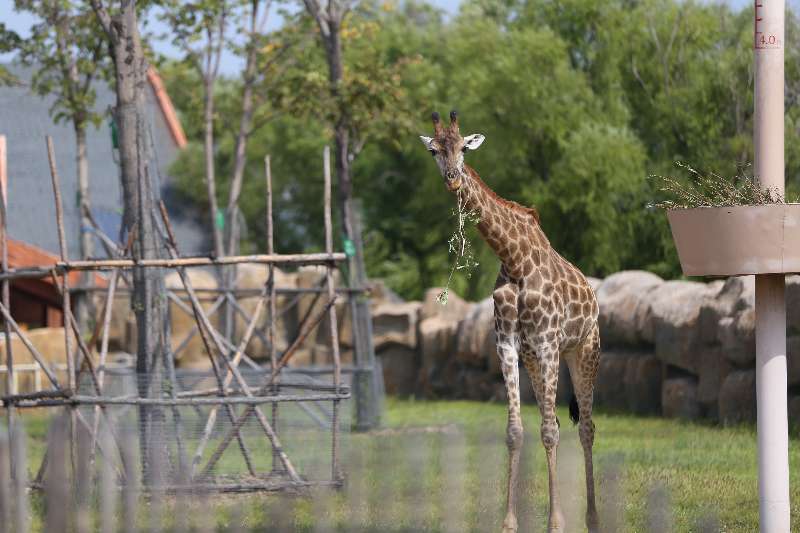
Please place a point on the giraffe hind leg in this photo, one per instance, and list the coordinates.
(542, 366)
(583, 371)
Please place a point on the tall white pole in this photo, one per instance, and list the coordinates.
(773, 435)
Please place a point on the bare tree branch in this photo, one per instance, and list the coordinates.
(313, 7)
(105, 19)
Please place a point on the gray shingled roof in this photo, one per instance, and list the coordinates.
(25, 120)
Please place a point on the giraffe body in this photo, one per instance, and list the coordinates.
(544, 309)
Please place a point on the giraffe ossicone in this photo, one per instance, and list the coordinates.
(544, 310)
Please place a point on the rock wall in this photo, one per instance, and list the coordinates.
(674, 348)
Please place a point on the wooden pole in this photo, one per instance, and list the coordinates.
(333, 323)
(770, 298)
(287, 259)
(65, 299)
(6, 297)
(112, 287)
(276, 464)
(62, 244)
(366, 396)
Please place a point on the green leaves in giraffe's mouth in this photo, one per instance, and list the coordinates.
(459, 246)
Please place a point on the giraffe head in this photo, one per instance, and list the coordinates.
(447, 146)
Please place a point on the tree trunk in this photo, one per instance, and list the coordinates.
(211, 185)
(341, 130)
(140, 201)
(367, 414)
(245, 124)
(83, 300)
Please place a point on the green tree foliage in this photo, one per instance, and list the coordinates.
(580, 100)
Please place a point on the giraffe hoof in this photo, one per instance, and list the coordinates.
(510, 524)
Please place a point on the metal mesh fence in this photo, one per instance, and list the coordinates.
(206, 441)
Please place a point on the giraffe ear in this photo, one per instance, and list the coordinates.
(426, 141)
(472, 142)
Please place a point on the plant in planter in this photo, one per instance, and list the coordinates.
(713, 190)
(726, 227)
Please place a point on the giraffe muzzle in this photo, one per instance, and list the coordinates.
(453, 184)
(453, 181)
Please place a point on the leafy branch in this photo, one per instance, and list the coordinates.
(460, 247)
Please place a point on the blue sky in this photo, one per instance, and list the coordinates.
(20, 23)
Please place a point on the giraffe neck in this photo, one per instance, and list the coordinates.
(511, 230)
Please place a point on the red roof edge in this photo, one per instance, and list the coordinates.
(22, 254)
(167, 109)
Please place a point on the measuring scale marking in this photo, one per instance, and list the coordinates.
(765, 37)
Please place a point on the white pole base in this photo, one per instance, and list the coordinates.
(773, 431)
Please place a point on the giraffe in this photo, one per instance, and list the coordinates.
(544, 309)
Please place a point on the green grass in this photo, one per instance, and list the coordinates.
(414, 476)
(709, 474)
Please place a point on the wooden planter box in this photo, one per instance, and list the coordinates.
(729, 241)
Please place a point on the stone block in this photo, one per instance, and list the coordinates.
(679, 398)
(737, 397)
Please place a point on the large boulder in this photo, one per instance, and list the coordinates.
(625, 307)
(734, 295)
(396, 324)
(456, 308)
(642, 384)
(737, 397)
(380, 293)
(737, 336)
(793, 359)
(793, 304)
(738, 293)
(437, 346)
(473, 384)
(400, 368)
(679, 398)
(322, 354)
(564, 390)
(610, 375)
(675, 308)
(713, 368)
(794, 414)
(475, 340)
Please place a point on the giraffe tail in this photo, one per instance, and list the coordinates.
(574, 412)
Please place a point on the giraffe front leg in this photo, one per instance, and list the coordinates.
(505, 327)
(542, 366)
(507, 352)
